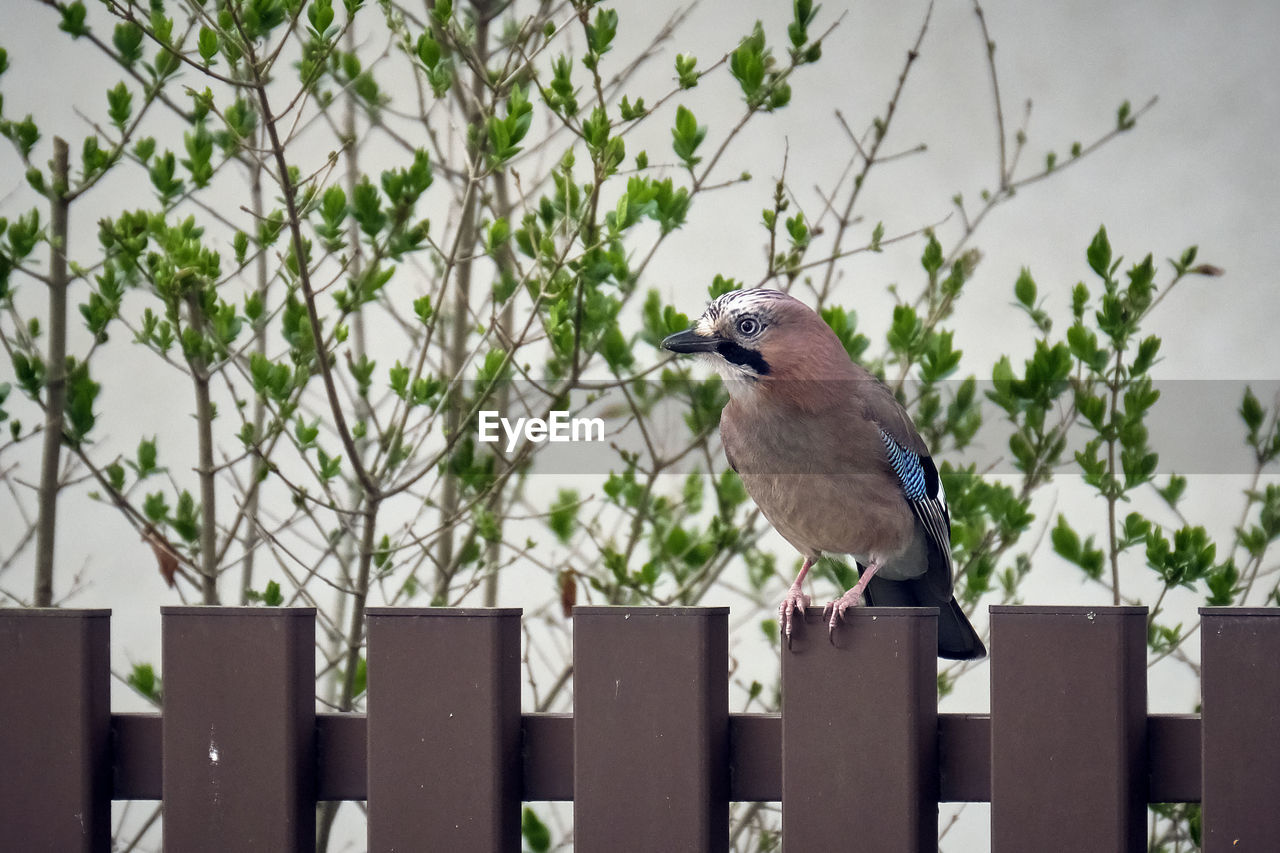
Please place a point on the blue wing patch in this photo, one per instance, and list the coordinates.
(922, 488)
(910, 471)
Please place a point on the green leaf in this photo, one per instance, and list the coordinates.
(330, 466)
(443, 13)
(1079, 300)
(1099, 254)
(186, 517)
(73, 15)
(487, 526)
(1092, 407)
(907, 331)
(428, 50)
(600, 33)
(422, 308)
(798, 230)
(24, 134)
(399, 376)
(563, 517)
(630, 111)
(497, 234)
(687, 77)
(1222, 583)
(155, 507)
(1136, 529)
(366, 208)
(616, 349)
(199, 160)
(1252, 413)
(127, 39)
(560, 96)
(82, 392)
(306, 433)
(271, 596)
(119, 104)
(747, 64)
(240, 121)
(143, 679)
(144, 148)
(1083, 344)
(1188, 561)
(932, 259)
(145, 465)
(506, 133)
(1066, 542)
(939, 359)
(115, 475)
(877, 234)
(1145, 356)
(845, 576)
(1025, 288)
(208, 45)
(535, 833)
(320, 14)
(361, 682)
(162, 173)
(1172, 491)
(687, 135)
(1124, 117)
(803, 12)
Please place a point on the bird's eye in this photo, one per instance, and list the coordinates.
(748, 326)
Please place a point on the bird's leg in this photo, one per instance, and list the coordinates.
(834, 612)
(795, 601)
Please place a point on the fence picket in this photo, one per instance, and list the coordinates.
(1240, 655)
(651, 729)
(239, 729)
(444, 729)
(859, 732)
(55, 741)
(1068, 728)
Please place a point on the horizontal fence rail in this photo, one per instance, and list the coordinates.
(651, 757)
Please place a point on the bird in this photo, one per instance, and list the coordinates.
(831, 458)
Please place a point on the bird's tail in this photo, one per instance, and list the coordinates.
(956, 638)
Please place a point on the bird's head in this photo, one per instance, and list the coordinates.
(753, 337)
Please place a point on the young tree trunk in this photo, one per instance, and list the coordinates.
(208, 512)
(251, 533)
(56, 378)
(455, 344)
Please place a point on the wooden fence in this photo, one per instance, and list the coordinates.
(650, 757)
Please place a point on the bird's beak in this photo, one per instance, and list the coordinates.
(690, 341)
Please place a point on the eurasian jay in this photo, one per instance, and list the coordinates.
(831, 458)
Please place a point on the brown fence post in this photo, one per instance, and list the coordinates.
(651, 729)
(239, 728)
(444, 729)
(55, 739)
(1240, 656)
(1068, 728)
(859, 732)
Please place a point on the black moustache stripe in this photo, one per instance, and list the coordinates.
(735, 354)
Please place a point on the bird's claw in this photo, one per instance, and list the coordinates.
(835, 610)
(794, 602)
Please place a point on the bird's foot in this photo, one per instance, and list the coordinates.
(794, 602)
(834, 612)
